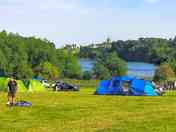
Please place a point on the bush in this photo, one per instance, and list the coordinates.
(109, 65)
(87, 75)
(164, 72)
(49, 71)
(172, 63)
(100, 71)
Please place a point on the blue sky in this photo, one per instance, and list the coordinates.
(87, 21)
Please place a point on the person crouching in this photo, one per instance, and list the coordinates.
(12, 88)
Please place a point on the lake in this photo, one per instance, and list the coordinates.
(138, 69)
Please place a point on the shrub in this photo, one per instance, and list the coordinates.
(163, 73)
(87, 75)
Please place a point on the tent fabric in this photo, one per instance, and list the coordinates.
(149, 90)
(123, 78)
(109, 87)
(4, 82)
(137, 87)
(21, 87)
(34, 86)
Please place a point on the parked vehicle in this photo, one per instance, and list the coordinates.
(45, 83)
(62, 86)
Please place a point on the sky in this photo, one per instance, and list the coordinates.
(89, 21)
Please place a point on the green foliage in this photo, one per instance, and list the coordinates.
(164, 72)
(109, 65)
(152, 50)
(72, 68)
(3, 62)
(68, 63)
(172, 63)
(87, 75)
(116, 66)
(24, 71)
(101, 72)
(48, 71)
(22, 55)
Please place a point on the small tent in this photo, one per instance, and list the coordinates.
(4, 83)
(136, 87)
(34, 86)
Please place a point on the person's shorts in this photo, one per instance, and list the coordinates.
(12, 93)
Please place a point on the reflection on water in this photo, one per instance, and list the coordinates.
(138, 69)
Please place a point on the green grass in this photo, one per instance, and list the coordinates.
(82, 83)
(84, 112)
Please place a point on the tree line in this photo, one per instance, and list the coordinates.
(151, 50)
(29, 57)
(158, 51)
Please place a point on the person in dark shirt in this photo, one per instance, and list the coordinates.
(12, 89)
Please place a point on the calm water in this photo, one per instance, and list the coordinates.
(137, 69)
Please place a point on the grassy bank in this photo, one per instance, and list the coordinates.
(84, 112)
(83, 83)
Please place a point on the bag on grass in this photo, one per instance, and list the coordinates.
(23, 104)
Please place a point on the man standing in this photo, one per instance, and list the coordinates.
(12, 88)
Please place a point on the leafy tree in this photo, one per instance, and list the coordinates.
(100, 71)
(152, 50)
(87, 75)
(109, 64)
(24, 72)
(72, 68)
(48, 71)
(172, 63)
(164, 72)
(116, 66)
(22, 55)
(3, 63)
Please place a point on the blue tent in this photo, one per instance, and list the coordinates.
(137, 87)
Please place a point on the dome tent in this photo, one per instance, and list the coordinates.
(137, 87)
(34, 86)
(4, 82)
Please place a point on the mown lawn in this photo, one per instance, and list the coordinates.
(84, 112)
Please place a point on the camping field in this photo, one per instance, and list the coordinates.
(84, 112)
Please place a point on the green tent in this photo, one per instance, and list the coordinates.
(21, 86)
(36, 86)
(4, 82)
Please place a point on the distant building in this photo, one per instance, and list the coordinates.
(102, 45)
(107, 44)
(72, 46)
